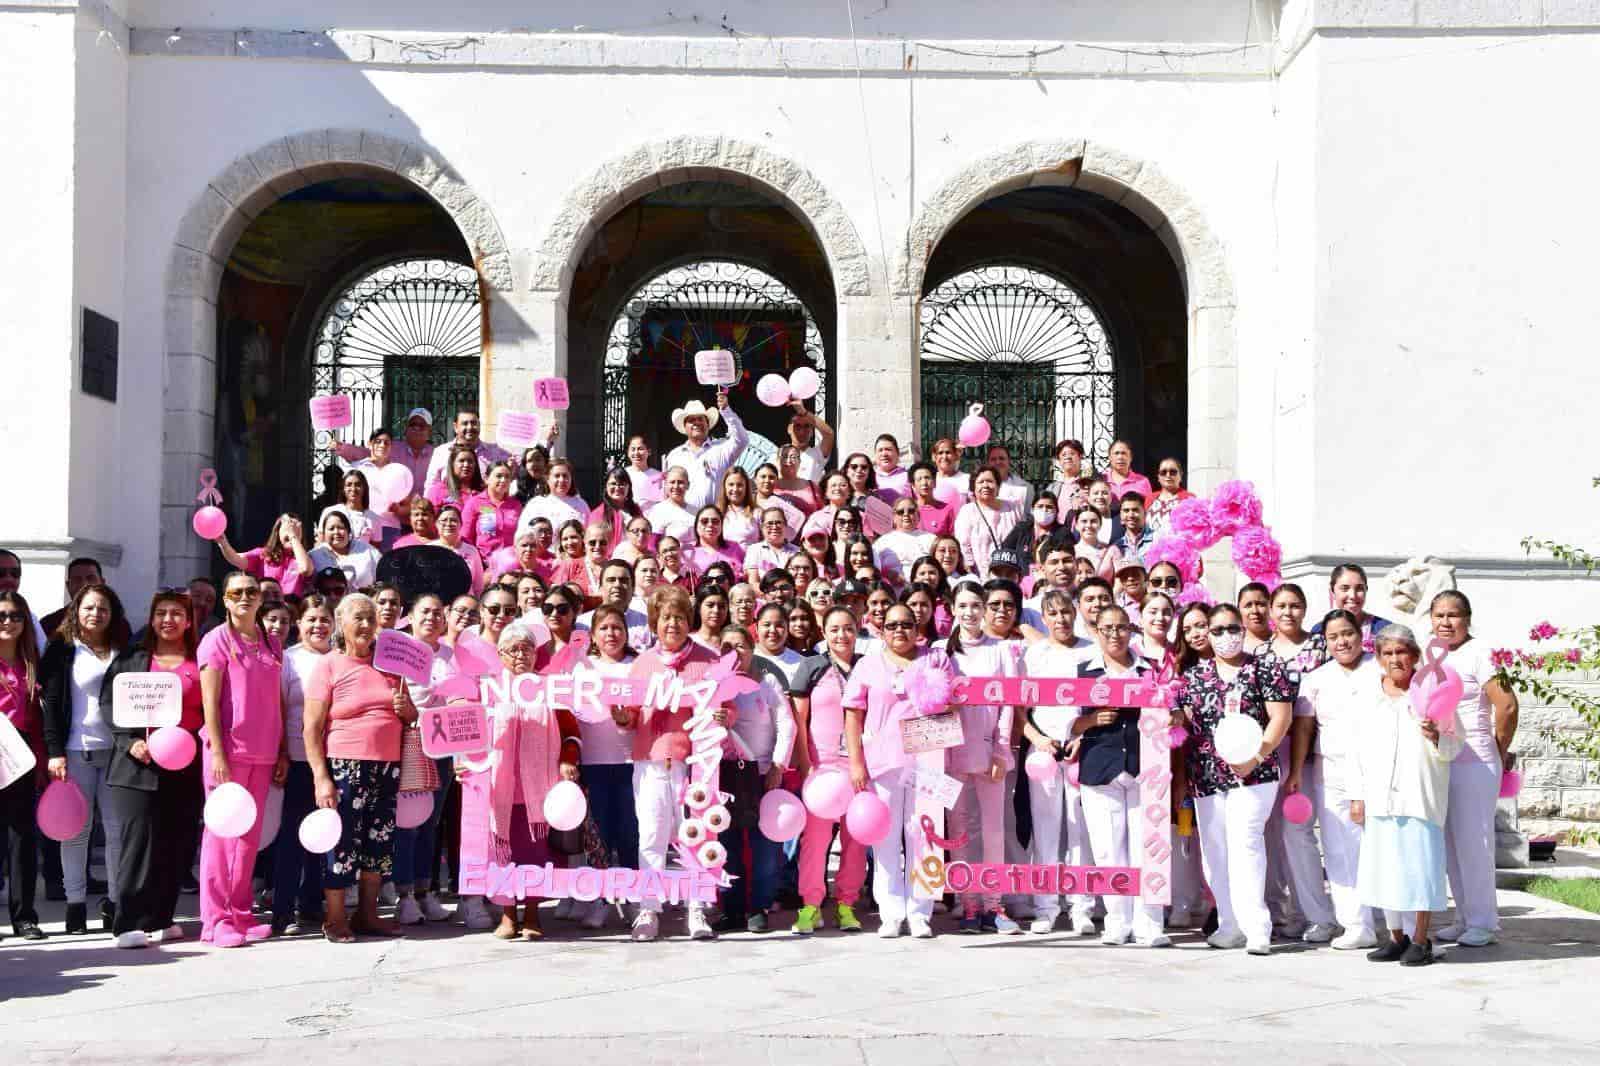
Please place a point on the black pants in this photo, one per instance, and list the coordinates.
(17, 836)
(157, 830)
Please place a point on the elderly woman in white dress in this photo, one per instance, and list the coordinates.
(1400, 801)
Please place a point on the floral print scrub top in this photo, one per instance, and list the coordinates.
(1205, 698)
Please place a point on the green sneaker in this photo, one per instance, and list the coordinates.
(805, 921)
(848, 922)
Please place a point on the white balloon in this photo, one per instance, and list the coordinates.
(1237, 738)
(320, 830)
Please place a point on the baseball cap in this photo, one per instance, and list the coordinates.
(422, 413)
(1006, 557)
(1130, 562)
(849, 587)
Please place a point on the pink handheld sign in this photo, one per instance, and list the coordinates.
(550, 394)
(330, 412)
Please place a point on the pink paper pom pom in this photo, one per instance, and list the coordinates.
(1177, 550)
(1256, 552)
(1177, 736)
(1510, 783)
(1195, 594)
(1192, 520)
(928, 687)
(1235, 506)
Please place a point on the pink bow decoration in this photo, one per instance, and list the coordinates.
(1436, 688)
(208, 488)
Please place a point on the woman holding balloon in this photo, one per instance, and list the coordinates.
(283, 558)
(19, 705)
(243, 752)
(155, 780)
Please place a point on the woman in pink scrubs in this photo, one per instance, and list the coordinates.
(243, 742)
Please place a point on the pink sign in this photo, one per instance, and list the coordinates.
(1060, 691)
(454, 729)
(616, 884)
(404, 656)
(933, 732)
(330, 412)
(1155, 806)
(550, 394)
(715, 366)
(1057, 880)
(517, 427)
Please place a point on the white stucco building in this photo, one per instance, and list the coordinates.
(1339, 247)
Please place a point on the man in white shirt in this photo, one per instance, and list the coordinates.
(813, 438)
(903, 545)
(1013, 489)
(671, 517)
(616, 589)
(705, 460)
(469, 430)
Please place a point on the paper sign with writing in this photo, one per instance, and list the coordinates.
(16, 757)
(330, 412)
(1060, 691)
(146, 700)
(715, 366)
(517, 428)
(454, 729)
(937, 786)
(550, 394)
(932, 732)
(1048, 880)
(404, 656)
(616, 884)
(1155, 806)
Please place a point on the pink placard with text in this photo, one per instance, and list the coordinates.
(550, 394)
(1059, 691)
(517, 427)
(403, 655)
(330, 412)
(454, 729)
(715, 366)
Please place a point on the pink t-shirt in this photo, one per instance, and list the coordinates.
(936, 518)
(251, 706)
(488, 525)
(875, 687)
(361, 719)
(17, 701)
(188, 671)
(286, 572)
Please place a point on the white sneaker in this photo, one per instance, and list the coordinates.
(133, 938)
(389, 894)
(1355, 940)
(920, 929)
(1160, 940)
(1218, 940)
(1476, 938)
(595, 916)
(1083, 925)
(646, 926)
(889, 930)
(1114, 939)
(563, 909)
(172, 934)
(699, 928)
(1451, 932)
(432, 909)
(1317, 933)
(475, 914)
(1042, 926)
(409, 912)
(1259, 947)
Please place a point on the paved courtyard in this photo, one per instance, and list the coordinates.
(442, 995)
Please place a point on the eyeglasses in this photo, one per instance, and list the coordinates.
(1226, 631)
(908, 512)
(1001, 605)
(638, 531)
(1165, 582)
(461, 612)
(556, 608)
(897, 626)
(858, 466)
(496, 612)
(1113, 631)
(237, 595)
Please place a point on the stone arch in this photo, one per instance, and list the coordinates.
(1166, 208)
(219, 215)
(693, 158)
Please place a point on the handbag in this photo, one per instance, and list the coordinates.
(418, 773)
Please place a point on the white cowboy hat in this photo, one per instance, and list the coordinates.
(689, 410)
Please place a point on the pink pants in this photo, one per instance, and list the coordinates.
(815, 843)
(226, 865)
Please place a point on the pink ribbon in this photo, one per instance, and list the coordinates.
(208, 488)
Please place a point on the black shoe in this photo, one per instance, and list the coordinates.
(1420, 953)
(77, 918)
(730, 923)
(1211, 924)
(1391, 951)
(55, 892)
(28, 930)
(190, 886)
(758, 923)
(108, 915)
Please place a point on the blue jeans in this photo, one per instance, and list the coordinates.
(413, 848)
(766, 857)
(296, 872)
(610, 788)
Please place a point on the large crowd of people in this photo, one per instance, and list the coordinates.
(827, 578)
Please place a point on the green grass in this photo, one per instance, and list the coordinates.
(1582, 892)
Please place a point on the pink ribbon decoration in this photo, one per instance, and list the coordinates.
(935, 840)
(208, 488)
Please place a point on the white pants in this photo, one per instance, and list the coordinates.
(1233, 848)
(87, 771)
(1282, 903)
(1299, 845)
(655, 802)
(1341, 841)
(1112, 814)
(891, 886)
(1056, 806)
(980, 814)
(1469, 841)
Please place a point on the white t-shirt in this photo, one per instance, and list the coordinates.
(812, 464)
(639, 636)
(1046, 658)
(605, 743)
(360, 563)
(1471, 661)
(1018, 493)
(670, 520)
(88, 731)
(298, 664)
(896, 550)
(558, 509)
(363, 524)
(1338, 698)
(787, 661)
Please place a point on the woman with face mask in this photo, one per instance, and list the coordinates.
(1028, 536)
(1234, 800)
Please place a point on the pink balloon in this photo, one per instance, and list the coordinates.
(271, 816)
(230, 810)
(320, 830)
(396, 481)
(210, 523)
(172, 747)
(772, 390)
(867, 818)
(974, 431)
(783, 816)
(63, 811)
(412, 809)
(946, 492)
(1040, 766)
(1297, 808)
(475, 656)
(804, 383)
(565, 805)
(827, 794)
(1510, 783)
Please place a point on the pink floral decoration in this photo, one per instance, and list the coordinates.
(1256, 552)
(928, 688)
(1235, 506)
(1195, 593)
(1177, 550)
(1542, 631)
(1192, 520)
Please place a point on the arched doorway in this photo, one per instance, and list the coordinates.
(713, 303)
(1028, 347)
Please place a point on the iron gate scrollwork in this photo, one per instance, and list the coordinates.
(1032, 351)
(406, 335)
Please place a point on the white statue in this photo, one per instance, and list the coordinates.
(1412, 585)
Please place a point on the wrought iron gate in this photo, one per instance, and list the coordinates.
(407, 335)
(1028, 348)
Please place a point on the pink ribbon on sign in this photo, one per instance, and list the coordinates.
(208, 488)
(938, 841)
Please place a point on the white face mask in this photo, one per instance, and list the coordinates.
(1228, 645)
(1043, 517)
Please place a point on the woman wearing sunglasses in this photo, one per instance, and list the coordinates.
(1234, 800)
(1169, 493)
(560, 609)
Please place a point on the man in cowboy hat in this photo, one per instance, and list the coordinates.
(705, 461)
